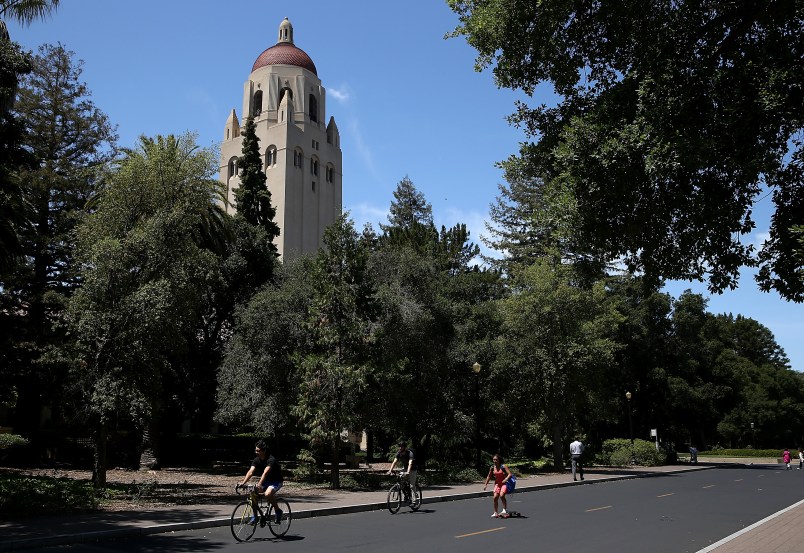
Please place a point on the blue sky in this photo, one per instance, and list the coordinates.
(407, 101)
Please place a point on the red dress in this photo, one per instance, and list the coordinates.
(499, 476)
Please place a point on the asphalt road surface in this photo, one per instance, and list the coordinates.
(677, 513)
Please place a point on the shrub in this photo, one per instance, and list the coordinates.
(466, 475)
(7, 441)
(306, 468)
(12, 448)
(618, 452)
(743, 452)
(530, 466)
(27, 495)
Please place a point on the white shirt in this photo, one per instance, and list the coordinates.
(576, 448)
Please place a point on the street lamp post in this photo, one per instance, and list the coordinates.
(630, 427)
(753, 437)
(476, 370)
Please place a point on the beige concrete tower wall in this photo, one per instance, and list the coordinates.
(306, 202)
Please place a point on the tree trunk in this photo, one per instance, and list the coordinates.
(148, 458)
(369, 446)
(99, 467)
(336, 471)
(558, 450)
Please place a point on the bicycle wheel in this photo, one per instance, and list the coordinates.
(416, 499)
(280, 528)
(394, 499)
(244, 521)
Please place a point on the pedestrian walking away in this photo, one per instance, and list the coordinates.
(576, 453)
(501, 475)
(693, 455)
(800, 458)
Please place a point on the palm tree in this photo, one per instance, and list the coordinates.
(26, 11)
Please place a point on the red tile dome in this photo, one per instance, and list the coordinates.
(285, 53)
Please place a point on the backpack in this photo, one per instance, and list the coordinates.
(511, 484)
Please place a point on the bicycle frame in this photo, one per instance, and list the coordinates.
(253, 511)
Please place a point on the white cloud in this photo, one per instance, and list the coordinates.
(363, 213)
(340, 94)
(760, 238)
(362, 148)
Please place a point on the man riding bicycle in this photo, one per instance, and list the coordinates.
(270, 472)
(406, 458)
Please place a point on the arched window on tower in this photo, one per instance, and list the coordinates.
(314, 166)
(233, 169)
(257, 103)
(330, 173)
(313, 108)
(298, 158)
(270, 157)
(282, 94)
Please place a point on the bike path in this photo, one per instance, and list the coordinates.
(98, 526)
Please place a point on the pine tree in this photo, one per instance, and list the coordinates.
(252, 197)
(70, 140)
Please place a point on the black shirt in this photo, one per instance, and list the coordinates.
(407, 457)
(274, 475)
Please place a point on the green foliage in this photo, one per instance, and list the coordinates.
(358, 481)
(7, 441)
(466, 475)
(25, 496)
(741, 453)
(306, 468)
(252, 197)
(269, 332)
(555, 341)
(14, 63)
(27, 11)
(529, 466)
(668, 123)
(147, 260)
(67, 138)
(620, 452)
(334, 368)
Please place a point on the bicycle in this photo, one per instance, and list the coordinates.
(400, 490)
(256, 510)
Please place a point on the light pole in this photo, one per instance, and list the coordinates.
(476, 370)
(753, 437)
(630, 427)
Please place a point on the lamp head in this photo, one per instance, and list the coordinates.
(628, 396)
(476, 367)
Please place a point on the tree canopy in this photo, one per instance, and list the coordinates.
(145, 265)
(672, 120)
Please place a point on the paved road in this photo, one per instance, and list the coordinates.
(674, 513)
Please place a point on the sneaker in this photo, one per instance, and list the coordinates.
(503, 513)
(278, 518)
(494, 514)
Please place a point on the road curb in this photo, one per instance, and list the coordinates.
(133, 532)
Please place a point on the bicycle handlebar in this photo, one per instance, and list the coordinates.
(245, 488)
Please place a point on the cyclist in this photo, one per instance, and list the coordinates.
(269, 471)
(406, 457)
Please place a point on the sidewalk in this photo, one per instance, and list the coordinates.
(92, 527)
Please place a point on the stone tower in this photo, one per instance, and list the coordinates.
(301, 155)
